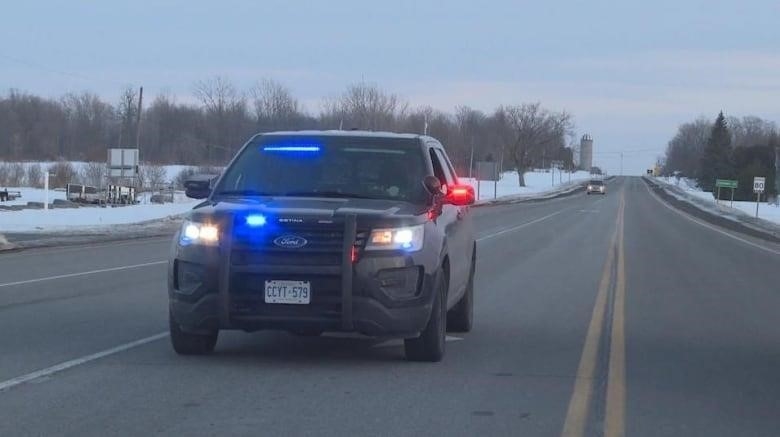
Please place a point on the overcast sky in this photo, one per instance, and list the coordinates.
(630, 72)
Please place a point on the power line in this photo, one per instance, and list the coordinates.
(50, 70)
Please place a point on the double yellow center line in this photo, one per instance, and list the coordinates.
(580, 402)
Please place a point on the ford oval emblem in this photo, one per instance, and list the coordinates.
(290, 242)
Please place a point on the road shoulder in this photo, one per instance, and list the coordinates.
(742, 224)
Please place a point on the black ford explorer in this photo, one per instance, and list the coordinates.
(318, 231)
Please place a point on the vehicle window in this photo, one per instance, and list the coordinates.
(376, 168)
(438, 168)
(596, 182)
(449, 172)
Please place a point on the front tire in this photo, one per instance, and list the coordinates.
(185, 343)
(430, 345)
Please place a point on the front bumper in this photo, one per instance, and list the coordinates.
(382, 294)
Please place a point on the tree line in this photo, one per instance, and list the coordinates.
(82, 126)
(726, 148)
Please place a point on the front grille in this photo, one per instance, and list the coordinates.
(324, 245)
(320, 238)
(254, 258)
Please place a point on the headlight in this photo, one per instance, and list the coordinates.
(590, 187)
(198, 233)
(408, 238)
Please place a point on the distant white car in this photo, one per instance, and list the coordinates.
(596, 186)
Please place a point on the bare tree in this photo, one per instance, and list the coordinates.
(684, 151)
(471, 133)
(751, 131)
(128, 116)
(34, 176)
(89, 122)
(154, 175)
(274, 106)
(226, 115)
(16, 174)
(62, 173)
(535, 132)
(94, 174)
(364, 106)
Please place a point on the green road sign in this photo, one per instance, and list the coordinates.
(725, 183)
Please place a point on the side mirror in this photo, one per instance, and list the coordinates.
(433, 185)
(460, 195)
(198, 186)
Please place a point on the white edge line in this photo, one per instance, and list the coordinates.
(91, 272)
(5, 385)
(487, 237)
(707, 225)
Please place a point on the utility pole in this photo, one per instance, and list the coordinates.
(471, 159)
(621, 163)
(138, 123)
(777, 175)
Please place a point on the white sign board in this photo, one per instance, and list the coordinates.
(487, 171)
(758, 184)
(123, 162)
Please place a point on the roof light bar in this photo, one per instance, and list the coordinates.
(291, 149)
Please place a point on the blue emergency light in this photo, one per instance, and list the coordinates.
(295, 148)
(255, 220)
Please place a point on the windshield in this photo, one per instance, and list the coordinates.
(372, 168)
(596, 182)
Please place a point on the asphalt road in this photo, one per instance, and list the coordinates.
(595, 315)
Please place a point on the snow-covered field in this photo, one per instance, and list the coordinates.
(537, 182)
(86, 218)
(83, 218)
(765, 211)
(53, 220)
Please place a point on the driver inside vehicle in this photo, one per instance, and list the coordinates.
(394, 179)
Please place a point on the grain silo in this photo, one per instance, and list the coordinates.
(586, 152)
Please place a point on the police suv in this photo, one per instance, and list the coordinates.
(322, 231)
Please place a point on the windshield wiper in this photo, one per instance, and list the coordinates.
(327, 194)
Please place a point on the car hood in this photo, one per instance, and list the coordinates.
(309, 208)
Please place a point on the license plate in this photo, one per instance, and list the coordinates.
(290, 292)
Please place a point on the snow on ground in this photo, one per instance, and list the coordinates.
(765, 211)
(32, 195)
(536, 182)
(85, 217)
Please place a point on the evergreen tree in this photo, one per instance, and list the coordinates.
(716, 159)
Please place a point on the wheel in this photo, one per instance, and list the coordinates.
(185, 343)
(429, 346)
(461, 317)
